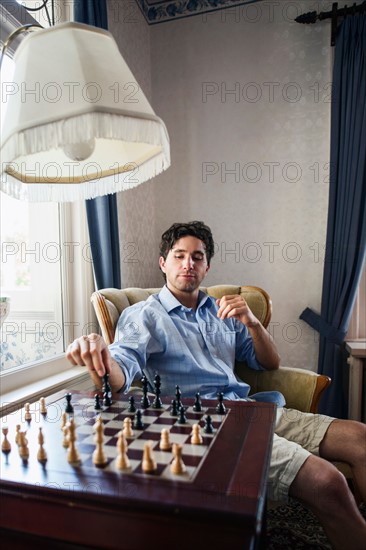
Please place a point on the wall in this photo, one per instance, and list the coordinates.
(245, 96)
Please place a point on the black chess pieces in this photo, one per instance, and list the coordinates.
(107, 391)
(69, 409)
(174, 408)
(197, 407)
(182, 416)
(178, 395)
(208, 427)
(220, 407)
(145, 401)
(138, 423)
(131, 406)
(97, 405)
(157, 404)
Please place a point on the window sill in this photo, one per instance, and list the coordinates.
(12, 400)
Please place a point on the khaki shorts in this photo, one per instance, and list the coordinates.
(297, 436)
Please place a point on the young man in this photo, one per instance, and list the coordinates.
(193, 341)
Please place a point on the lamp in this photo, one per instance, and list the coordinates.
(77, 124)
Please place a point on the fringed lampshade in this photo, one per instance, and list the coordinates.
(77, 123)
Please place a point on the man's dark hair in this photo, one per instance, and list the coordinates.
(193, 229)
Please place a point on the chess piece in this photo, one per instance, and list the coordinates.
(41, 455)
(157, 404)
(131, 404)
(27, 412)
(208, 427)
(122, 461)
(145, 401)
(72, 454)
(63, 420)
(148, 462)
(5, 446)
(164, 444)
(65, 441)
(182, 416)
(197, 407)
(17, 430)
(196, 438)
(23, 446)
(138, 424)
(220, 407)
(178, 395)
(107, 391)
(174, 408)
(42, 406)
(99, 456)
(177, 466)
(127, 427)
(69, 409)
(97, 405)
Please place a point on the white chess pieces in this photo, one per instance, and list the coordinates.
(148, 461)
(196, 437)
(122, 462)
(165, 444)
(5, 445)
(72, 454)
(127, 429)
(99, 456)
(42, 406)
(27, 412)
(41, 455)
(17, 430)
(23, 446)
(177, 466)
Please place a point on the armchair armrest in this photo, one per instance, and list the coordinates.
(302, 388)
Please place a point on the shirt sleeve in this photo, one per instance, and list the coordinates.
(134, 342)
(244, 350)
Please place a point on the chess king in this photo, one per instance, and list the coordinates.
(192, 341)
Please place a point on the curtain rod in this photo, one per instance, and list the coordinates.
(313, 16)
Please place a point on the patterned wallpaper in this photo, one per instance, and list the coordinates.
(245, 96)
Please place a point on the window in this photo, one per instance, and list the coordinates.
(45, 269)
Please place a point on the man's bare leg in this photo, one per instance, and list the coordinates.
(325, 490)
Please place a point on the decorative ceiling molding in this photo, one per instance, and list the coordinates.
(160, 11)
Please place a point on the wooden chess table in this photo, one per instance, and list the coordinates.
(220, 498)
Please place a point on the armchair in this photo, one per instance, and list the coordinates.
(302, 389)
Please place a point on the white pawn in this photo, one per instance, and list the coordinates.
(5, 446)
(42, 406)
(27, 412)
(148, 461)
(127, 429)
(23, 446)
(196, 438)
(72, 454)
(122, 462)
(41, 455)
(165, 444)
(99, 456)
(17, 430)
(177, 466)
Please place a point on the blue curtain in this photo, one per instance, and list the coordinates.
(101, 212)
(346, 229)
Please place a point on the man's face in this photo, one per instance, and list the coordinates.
(186, 264)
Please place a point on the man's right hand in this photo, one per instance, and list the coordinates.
(90, 351)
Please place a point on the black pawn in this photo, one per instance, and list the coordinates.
(182, 416)
(69, 408)
(208, 427)
(131, 407)
(97, 405)
(107, 391)
(174, 409)
(138, 424)
(197, 407)
(220, 407)
(157, 404)
(145, 401)
(178, 395)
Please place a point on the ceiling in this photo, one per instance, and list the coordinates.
(160, 11)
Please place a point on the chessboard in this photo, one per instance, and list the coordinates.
(221, 476)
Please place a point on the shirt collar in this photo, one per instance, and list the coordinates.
(169, 301)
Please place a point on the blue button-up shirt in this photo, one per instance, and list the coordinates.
(192, 349)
